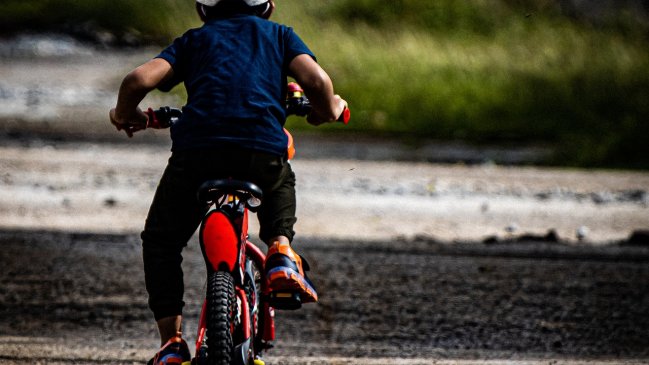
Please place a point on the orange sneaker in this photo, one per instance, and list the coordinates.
(287, 281)
(174, 352)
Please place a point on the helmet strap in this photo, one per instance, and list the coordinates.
(267, 11)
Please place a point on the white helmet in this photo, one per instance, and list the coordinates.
(248, 2)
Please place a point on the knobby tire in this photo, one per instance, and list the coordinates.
(221, 304)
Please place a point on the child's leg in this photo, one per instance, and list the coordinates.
(169, 327)
(278, 239)
(284, 267)
(173, 217)
(277, 213)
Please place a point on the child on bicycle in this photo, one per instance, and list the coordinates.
(235, 70)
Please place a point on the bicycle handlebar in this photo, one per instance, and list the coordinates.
(157, 119)
(163, 117)
(296, 104)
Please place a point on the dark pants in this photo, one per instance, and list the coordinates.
(175, 213)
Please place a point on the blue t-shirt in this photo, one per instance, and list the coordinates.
(235, 73)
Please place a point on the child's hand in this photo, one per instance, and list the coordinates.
(130, 124)
(343, 114)
(316, 118)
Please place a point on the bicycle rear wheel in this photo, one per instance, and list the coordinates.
(221, 304)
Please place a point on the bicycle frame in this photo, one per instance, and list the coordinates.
(225, 246)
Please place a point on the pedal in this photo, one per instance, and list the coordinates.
(285, 300)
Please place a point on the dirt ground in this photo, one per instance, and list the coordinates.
(416, 262)
(102, 187)
(79, 298)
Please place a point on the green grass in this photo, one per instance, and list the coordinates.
(484, 71)
(491, 73)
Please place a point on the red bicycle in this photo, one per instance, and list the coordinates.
(237, 319)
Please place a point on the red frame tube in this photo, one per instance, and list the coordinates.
(202, 326)
(245, 315)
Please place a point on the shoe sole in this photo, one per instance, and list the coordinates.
(169, 360)
(284, 279)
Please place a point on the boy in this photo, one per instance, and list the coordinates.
(235, 69)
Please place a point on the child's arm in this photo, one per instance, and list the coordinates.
(135, 86)
(317, 85)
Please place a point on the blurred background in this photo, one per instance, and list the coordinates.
(568, 77)
(458, 109)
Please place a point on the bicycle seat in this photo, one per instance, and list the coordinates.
(213, 190)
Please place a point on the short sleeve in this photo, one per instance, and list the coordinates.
(174, 54)
(294, 46)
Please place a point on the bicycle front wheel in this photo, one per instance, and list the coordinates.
(221, 304)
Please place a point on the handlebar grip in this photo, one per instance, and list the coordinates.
(153, 121)
(163, 117)
(345, 116)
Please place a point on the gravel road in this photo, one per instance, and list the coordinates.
(106, 187)
(79, 298)
(416, 263)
